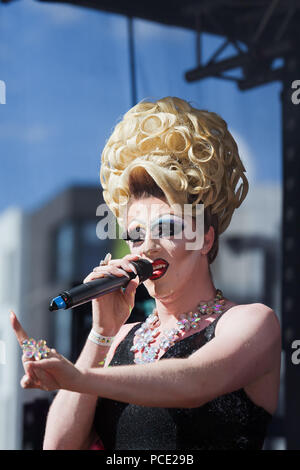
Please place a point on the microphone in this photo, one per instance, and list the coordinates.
(91, 290)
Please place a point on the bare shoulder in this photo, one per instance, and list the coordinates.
(122, 333)
(258, 318)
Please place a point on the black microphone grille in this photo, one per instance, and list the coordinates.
(144, 269)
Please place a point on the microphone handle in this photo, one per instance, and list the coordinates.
(90, 290)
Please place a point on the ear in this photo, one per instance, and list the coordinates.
(209, 238)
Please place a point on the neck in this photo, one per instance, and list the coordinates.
(184, 300)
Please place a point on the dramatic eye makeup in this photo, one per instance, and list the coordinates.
(136, 233)
(166, 226)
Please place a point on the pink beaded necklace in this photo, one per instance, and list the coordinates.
(147, 332)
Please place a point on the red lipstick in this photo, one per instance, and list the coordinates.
(160, 267)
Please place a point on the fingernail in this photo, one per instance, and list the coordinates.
(26, 380)
(123, 272)
(133, 268)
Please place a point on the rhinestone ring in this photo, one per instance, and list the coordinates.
(37, 349)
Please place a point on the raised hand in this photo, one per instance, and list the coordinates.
(112, 310)
(55, 374)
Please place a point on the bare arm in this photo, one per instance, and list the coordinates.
(243, 351)
(70, 418)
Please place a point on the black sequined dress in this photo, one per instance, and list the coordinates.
(231, 421)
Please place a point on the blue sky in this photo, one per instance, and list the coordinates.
(66, 70)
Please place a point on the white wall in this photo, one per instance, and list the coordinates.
(11, 226)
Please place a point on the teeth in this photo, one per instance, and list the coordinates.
(160, 266)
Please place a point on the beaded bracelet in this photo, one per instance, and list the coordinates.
(99, 339)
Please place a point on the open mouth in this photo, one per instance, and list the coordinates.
(160, 267)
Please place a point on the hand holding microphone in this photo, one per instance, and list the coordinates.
(111, 306)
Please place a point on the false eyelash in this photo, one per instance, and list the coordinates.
(173, 227)
(127, 237)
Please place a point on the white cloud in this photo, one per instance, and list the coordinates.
(145, 30)
(4, 52)
(246, 156)
(151, 30)
(36, 133)
(62, 15)
(59, 14)
(30, 134)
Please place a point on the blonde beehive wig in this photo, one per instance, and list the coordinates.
(186, 152)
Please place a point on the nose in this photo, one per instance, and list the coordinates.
(150, 246)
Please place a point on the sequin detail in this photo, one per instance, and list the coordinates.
(147, 332)
(229, 422)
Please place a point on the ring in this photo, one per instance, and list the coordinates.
(106, 260)
(37, 349)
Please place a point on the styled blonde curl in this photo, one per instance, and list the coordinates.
(189, 153)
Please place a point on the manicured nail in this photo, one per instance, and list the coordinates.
(123, 272)
(133, 268)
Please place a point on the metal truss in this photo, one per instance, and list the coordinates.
(255, 55)
(256, 62)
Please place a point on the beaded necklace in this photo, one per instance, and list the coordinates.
(147, 332)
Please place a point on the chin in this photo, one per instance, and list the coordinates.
(158, 291)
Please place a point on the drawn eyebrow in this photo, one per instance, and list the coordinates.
(161, 216)
(127, 234)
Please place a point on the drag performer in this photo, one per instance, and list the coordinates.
(202, 372)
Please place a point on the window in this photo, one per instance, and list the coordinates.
(64, 252)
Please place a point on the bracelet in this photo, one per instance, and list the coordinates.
(99, 339)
